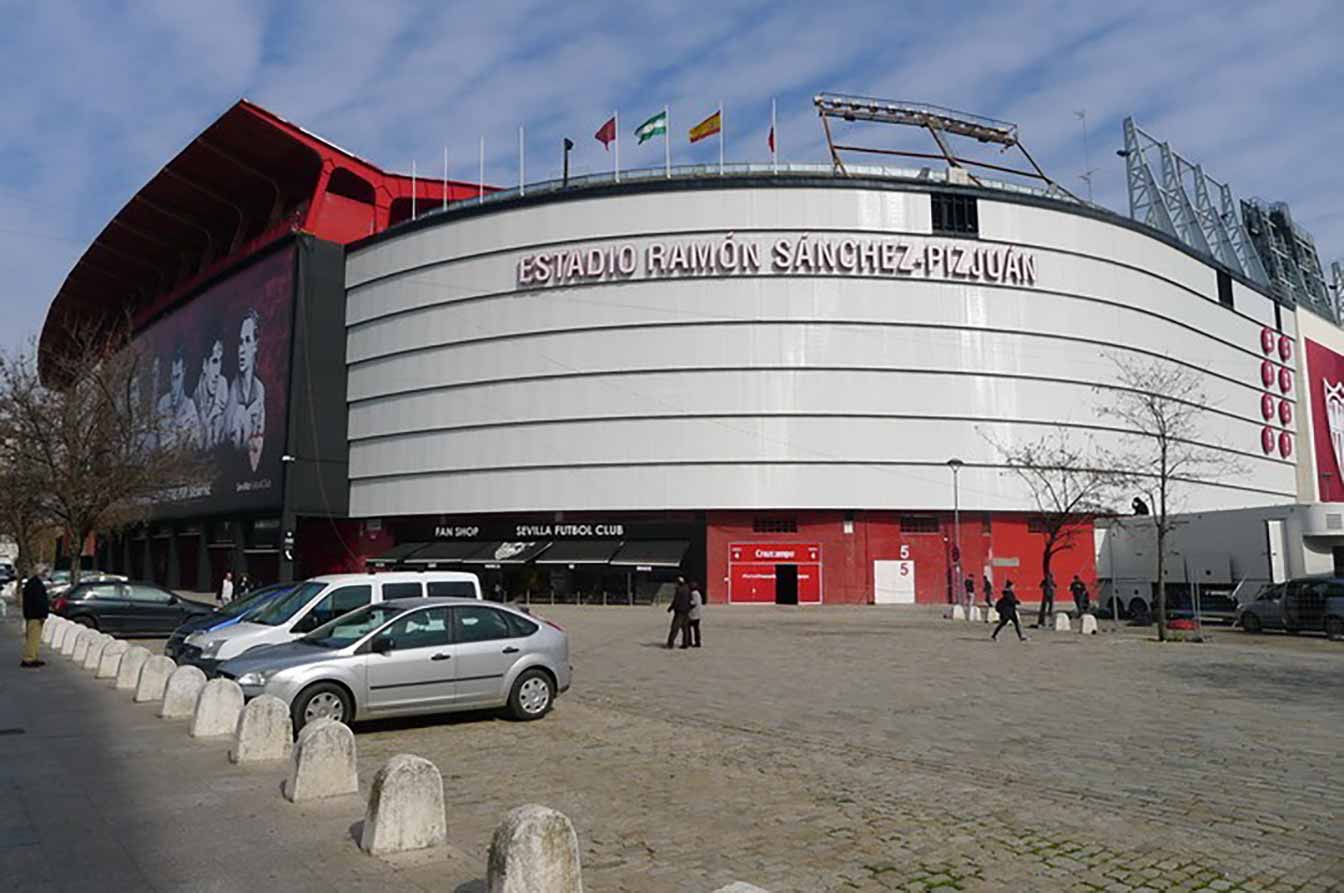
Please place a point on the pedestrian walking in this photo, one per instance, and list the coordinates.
(35, 611)
(680, 609)
(697, 611)
(969, 601)
(1080, 599)
(989, 596)
(1007, 608)
(245, 585)
(1047, 600)
(225, 594)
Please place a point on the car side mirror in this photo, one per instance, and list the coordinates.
(383, 645)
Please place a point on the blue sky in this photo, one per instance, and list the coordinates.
(99, 95)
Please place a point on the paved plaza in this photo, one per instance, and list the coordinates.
(800, 750)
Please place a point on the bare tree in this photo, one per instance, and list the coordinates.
(86, 440)
(23, 515)
(1066, 483)
(1162, 407)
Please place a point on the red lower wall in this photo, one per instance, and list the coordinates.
(998, 544)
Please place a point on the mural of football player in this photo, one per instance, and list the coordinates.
(179, 423)
(211, 397)
(246, 419)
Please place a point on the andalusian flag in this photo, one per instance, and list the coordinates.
(708, 127)
(653, 127)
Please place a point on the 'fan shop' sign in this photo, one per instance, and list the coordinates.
(797, 255)
(754, 570)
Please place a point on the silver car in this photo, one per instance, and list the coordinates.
(413, 655)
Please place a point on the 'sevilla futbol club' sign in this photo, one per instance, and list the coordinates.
(792, 255)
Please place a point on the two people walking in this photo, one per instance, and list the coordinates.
(687, 608)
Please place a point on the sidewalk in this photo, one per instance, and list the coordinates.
(98, 791)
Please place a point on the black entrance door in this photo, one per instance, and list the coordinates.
(786, 584)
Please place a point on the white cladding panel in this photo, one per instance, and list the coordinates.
(470, 394)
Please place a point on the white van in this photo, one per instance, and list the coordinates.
(314, 602)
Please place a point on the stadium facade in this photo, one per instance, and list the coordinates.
(752, 376)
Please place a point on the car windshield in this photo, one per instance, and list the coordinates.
(60, 577)
(281, 609)
(344, 630)
(254, 601)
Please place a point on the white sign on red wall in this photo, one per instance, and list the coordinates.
(751, 571)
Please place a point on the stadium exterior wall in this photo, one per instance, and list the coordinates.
(778, 387)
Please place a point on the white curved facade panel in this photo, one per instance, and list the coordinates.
(471, 393)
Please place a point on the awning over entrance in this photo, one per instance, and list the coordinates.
(580, 552)
(651, 553)
(506, 553)
(398, 553)
(450, 552)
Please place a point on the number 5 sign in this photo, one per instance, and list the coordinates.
(894, 582)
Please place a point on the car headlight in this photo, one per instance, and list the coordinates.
(257, 677)
(211, 648)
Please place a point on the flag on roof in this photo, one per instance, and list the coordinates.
(606, 133)
(653, 127)
(708, 127)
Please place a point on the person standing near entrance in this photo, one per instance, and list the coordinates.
(1047, 600)
(697, 611)
(35, 611)
(968, 601)
(680, 609)
(226, 589)
(1079, 590)
(989, 596)
(1007, 608)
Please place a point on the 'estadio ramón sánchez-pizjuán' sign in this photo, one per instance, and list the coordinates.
(805, 254)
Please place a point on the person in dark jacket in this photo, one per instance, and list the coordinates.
(680, 609)
(989, 596)
(1047, 609)
(35, 611)
(1079, 590)
(1007, 608)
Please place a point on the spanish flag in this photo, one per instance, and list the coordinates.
(708, 127)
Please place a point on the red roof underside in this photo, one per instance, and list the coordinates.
(248, 179)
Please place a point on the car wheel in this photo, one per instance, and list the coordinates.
(1334, 628)
(86, 621)
(1251, 623)
(532, 696)
(1139, 611)
(325, 700)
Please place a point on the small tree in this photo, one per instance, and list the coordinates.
(87, 443)
(1161, 406)
(1065, 482)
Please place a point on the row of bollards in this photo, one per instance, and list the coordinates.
(1087, 625)
(535, 848)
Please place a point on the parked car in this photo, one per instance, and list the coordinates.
(7, 572)
(58, 582)
(125, 607)
(313, 603)
(413, 655)
(1306, 604)
(225, 616)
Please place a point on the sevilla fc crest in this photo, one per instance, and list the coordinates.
(1334, 414)
(508, 550)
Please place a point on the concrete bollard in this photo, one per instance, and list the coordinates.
(973, 614)
(58, 638)
(958, 612)
(80, 646)
(154, 678)
(1061, 622)
(265, 731)
(217, 709)
(182, 693)
(741, 887)
(322, 763)
(128, 674)
(405, 810)
(95, 653)
(992, 615)
(534, 848)
(49, 628)
(111, 662)
(1088, 625)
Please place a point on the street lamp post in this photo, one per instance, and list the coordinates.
(955, 465)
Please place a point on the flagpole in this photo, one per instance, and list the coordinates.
(412, 190)
(522, 167)
(445, 178)
(480, 194)
(667, 142)
(720, 137)
(616, 117)
(774, 139)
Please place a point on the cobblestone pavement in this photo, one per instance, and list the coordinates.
(814, 750)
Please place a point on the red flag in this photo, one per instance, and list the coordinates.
(770, 140)
(606, 133)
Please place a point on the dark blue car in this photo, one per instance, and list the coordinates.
(225, 616)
